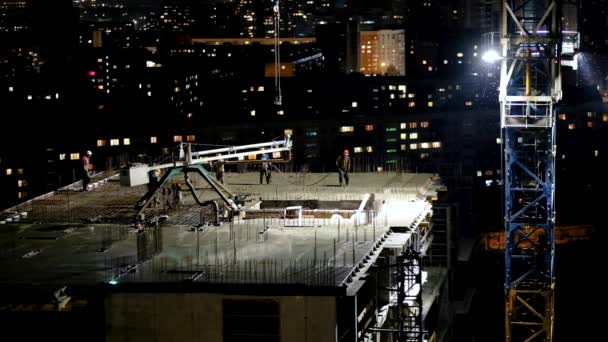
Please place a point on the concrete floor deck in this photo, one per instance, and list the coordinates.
(74, 237)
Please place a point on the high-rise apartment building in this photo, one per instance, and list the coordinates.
(382, 52)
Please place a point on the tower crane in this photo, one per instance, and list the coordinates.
(530, 87)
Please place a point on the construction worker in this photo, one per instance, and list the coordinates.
(86, 165)
(265, 169)
(219, 170)
(153, 182)
(343, 164)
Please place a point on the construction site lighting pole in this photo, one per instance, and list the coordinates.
(530, 86)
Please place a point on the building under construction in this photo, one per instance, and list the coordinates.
(302, 259)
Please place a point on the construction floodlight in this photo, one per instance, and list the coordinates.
(490, 56)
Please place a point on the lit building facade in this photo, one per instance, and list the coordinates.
(382, 52)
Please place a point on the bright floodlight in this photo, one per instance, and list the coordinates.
(490, 56)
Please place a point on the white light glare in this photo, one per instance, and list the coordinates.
(490, 56)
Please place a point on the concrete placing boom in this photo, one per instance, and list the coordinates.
(194, 162)
(530, 86)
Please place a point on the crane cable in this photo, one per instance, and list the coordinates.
(278, 100)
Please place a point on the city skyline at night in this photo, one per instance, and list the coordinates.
(401, 85)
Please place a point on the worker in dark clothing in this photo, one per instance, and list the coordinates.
(85, 170)
(153, 183)
(343, 164)
(219, 170)
(265, 170)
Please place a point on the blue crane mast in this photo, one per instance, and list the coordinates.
(530, 87)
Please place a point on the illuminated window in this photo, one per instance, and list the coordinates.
(21, 183)
(190, 138)
(358, 149)
(280, 112)
(74, 156)
(391, 150)
(425, 145)
(424, 124)
(261, 88)
(252, 113)
(414, 135)
(153, 140)
(403, 125)
(411, 96)
(101, 143)
(390, 140)
(424, 61)
(489, 173)
(403, 136)
(369, 128)
(177, 138)
(590, 124)
(430, 104)
(176, 89)
(9, 172)
(114, 142)
(354, 104)
(424, 155)
(459, 55)
(479, 174)
(391, 129)
(22, 194)
(311, 133)
(561, 116)
(403, 147)
(126, 141)
(468, 103)
(61, 156)
(596, 153)
(590, 114)
(411, 104)
(413, 146)
(347, 129)
(369, 149)
(276, 155)
(571, 126)
(605, 117)
(288, 131)
(413, 125)
(436, 144)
